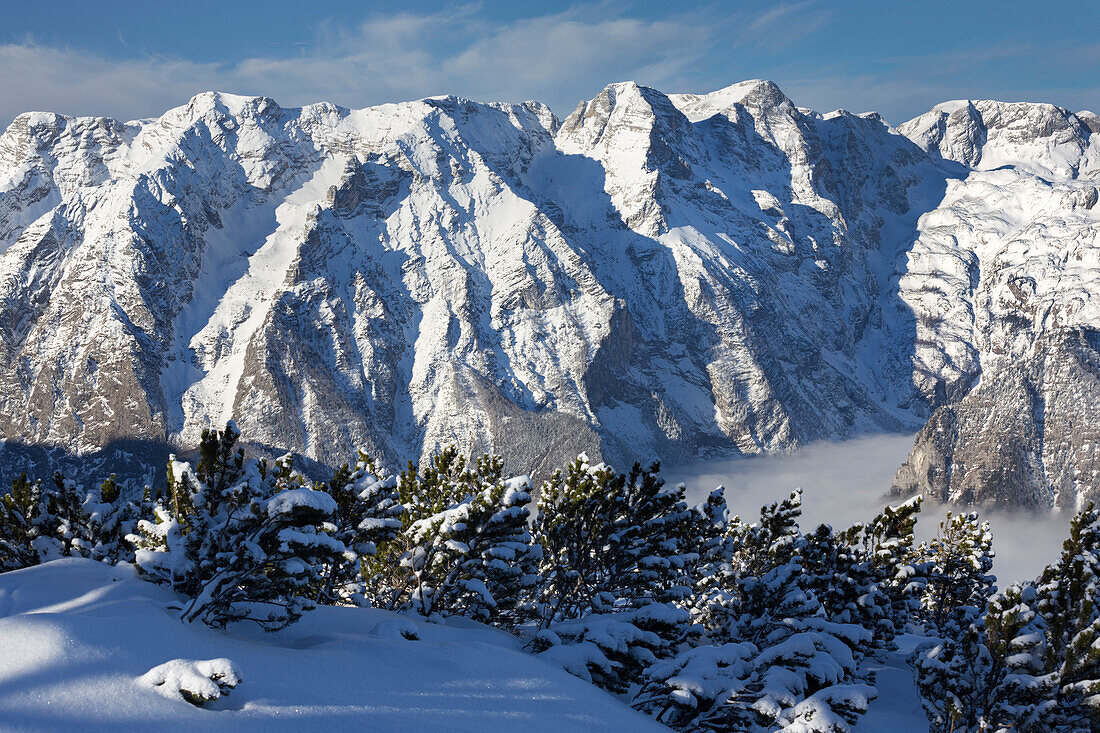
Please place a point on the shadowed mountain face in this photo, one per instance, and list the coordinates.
(673, 276)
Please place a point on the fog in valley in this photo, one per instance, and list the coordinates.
(847, 482)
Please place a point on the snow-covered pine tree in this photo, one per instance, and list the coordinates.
(1068, 600)
(846, 583)
(1078, 698)
(579, 509)
(368, 514)
(243, 541)
(19, 526)
(655, 541)
(771, 542)
(446, 481)
(504, 558)
(781, 664)
(388, 574)
(577, 512)
(108, 518)
(805, 675)
(1023, 698)
(959, 560)
(956, 673)
(42, 521)
(389, 578)
(1033, 663)
(750, 550)
(889, 545)
(476, 558)
(64, 521)
(616, 568)
(737, 551)
(613, 649)
(713, 579)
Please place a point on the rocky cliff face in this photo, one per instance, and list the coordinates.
(658, 275)
(1005, 277)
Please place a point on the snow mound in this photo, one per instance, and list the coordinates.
(198, 681)
(396, 628)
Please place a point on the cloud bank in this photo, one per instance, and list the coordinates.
(845, 483)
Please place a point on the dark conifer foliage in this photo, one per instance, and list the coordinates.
(465, 547)
(244, 541)
(42, 521)
(21, 511)
(1031, 661)
(889, 545)
(957, 565)
(700, 619)
(616, 571)
(368, 515)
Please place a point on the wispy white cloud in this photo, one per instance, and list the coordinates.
(559, 58)
(40, 77)
(904, 86)
(555, 58)
(785, 24)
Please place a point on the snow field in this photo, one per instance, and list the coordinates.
(77, 635)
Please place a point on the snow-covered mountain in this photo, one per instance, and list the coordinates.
(1004, 278)
(681, 276)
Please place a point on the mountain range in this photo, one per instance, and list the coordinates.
(671, 276)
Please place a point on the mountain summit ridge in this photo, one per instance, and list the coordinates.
(676, 276)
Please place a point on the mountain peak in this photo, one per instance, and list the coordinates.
(755, 94)
(234, 105)
(1091, 119)
(989, 134)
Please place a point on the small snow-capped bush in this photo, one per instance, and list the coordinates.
(612, 650)
(198, 681)
(681, 692)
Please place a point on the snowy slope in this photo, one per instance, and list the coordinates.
(675, 276)
(76, 635)
(897, 709)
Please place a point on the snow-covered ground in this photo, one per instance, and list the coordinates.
(897, 708)
(76, 635)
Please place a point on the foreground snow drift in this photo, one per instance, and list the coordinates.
(77, 635)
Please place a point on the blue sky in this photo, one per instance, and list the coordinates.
(135, 59)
